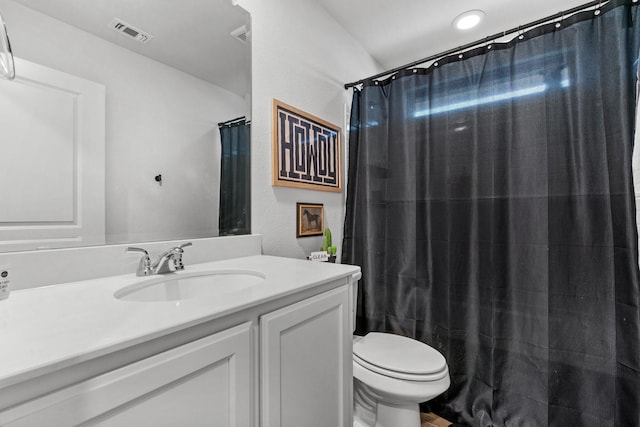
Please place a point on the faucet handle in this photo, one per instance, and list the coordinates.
(133, 249)
(177, 258)
(144, 267)
(184, 245)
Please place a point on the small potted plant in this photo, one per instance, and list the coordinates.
(328, 246)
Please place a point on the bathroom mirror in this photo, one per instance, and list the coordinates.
(166, 74)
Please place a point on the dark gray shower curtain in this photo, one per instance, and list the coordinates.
(235, 179)
(490, 204)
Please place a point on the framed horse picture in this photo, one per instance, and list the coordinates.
(309, 219)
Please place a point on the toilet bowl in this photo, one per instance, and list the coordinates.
(392, 376)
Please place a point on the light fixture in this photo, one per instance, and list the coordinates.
(7, 69)
(468, 20)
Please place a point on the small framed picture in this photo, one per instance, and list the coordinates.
(309, 219)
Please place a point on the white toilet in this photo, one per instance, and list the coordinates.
(392, 375)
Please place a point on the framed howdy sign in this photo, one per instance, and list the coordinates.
(307, 151)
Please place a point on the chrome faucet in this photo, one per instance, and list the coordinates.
(167, 262)
(163, 264)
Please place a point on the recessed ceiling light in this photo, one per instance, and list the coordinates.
(468, 20)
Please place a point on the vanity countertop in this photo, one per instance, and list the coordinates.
(53, 327)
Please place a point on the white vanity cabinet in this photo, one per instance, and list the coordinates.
(306, 363)
(205, 382)
(274, 354)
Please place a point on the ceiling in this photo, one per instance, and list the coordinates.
(192, 36)
(398, 32)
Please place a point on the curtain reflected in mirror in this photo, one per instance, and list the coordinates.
(235, 178)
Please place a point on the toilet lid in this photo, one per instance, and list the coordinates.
(399, 354)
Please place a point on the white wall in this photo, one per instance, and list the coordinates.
(158, 121)
(302, 57)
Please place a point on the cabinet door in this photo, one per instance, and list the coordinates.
(306, 363)
(203, 383)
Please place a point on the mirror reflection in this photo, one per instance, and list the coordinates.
(112, 126)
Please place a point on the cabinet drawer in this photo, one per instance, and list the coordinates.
(206, 382)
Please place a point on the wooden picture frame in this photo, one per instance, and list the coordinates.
(309, 219)
(307, 151)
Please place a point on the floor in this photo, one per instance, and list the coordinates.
(432, 420)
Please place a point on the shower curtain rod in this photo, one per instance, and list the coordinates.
(232, 121)
(551, 18)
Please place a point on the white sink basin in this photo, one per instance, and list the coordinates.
(189, 285)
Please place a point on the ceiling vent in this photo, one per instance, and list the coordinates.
(240, 34)
(130, 31)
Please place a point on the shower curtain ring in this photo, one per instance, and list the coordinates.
(560, 19)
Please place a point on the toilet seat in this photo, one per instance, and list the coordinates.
(399, 357)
